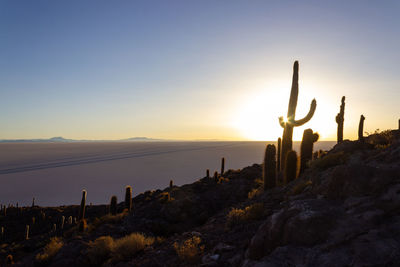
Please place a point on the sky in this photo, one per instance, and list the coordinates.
(195, 70)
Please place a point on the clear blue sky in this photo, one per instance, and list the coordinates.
(194, 69)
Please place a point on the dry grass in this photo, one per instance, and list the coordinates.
(50, 250)
(105, 247)
(329, 160)
(190, 250)
(240, 216)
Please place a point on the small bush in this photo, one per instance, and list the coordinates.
(123, 249)
(50, 250)
(190, 250)
(329, 160)
(255, 192)
(127, 246)
(100, 250)
(299, 188)
(250, 213)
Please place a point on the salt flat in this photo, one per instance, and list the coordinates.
(55, 173)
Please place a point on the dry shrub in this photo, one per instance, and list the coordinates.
(329, 160)
(109, 219)
(100, 250)
(299, 187)
(105, 247)
(127, 246)
(50, 250)
(250, 213)
(190, 250)
(255, 192)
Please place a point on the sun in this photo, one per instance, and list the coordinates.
(257, 118)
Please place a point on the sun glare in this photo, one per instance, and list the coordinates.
(257, 118)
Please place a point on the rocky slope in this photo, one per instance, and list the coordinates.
(344, 210)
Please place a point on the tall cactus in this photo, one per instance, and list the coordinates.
(290, 171)
(306, 149)
(128, 198)
(290, 121)
(208, 173)
(340, 121)
(113, 205)
(361, 129)
(83, 205)
(27, 232)
(269, 167)
(222, 166)
(278, 157)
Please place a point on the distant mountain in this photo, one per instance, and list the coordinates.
(60, 139)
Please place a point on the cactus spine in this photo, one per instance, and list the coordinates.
(128, 198)
(340, 122)
(83, 205)
(361, 129)
(113, 205)
(290, 170)
(288, 125)
(222, 166)
(278, 156)
(306, 148)
(269, 167)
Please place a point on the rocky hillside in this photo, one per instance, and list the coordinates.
(344, 210)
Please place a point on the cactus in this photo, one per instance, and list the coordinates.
(306, 149)
(340, 121)
(290, 170)
(83, 205)
(27, 232)
(291, 122)
(216, 176)
(2, 232)
(361, 129)
(33, 220)
(54, 227)
(82, 225)
(113, 205)
(278, 156)
(62, 222)
(33, 202)
(70, 220)
(269, 167)
(208, 173)
(222, 166)
(171, 184)
(128, 198)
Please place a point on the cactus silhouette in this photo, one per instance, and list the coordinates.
(27, 232)
(62, 222)
(83, 205)
(290, 170)
(361, 129)
(128, 198)
(82, 225)
(278, 156)
(340, 121)
(269, 167)
(208, 173)
(222, 166)
(216, 176)
(290, 121)
(33, 202)
(171, 184)
(113, 205)
(306, 148)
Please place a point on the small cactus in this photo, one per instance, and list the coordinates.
(70, 220)
(33, 202)
(222, 166)
(128, 198)
(83, 205)
(62, 222)
(33, 220)
(208, 173)
(269, 167)
(361, 129)
(54, 227)
(340, 121)
(171, 184)
(306, 149)
(290, 170)
(2, 232)
(27, 232)
(216, 176)
(278, 157)
(113, 205)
